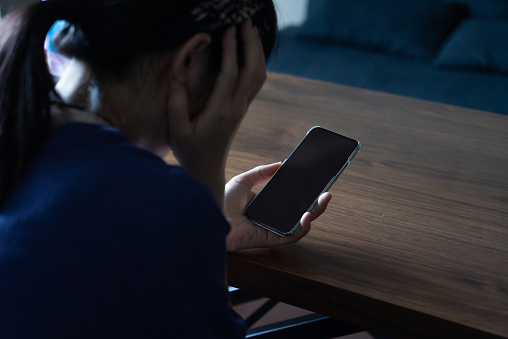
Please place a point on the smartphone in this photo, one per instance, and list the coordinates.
(309, 171)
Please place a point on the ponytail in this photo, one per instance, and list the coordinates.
(26, 88)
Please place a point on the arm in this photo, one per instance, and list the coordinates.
(183, 294)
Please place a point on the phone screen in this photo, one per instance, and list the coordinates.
(309, 171)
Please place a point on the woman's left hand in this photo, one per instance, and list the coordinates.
(200, 140)
(244, 234)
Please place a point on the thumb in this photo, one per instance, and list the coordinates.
(258, 175)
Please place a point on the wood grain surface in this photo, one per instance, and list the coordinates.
(415, 240)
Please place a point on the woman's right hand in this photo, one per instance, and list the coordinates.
(244, 234)
(201, 142)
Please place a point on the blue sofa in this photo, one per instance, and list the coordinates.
(450, 51)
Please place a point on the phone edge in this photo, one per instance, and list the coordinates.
(326, 189)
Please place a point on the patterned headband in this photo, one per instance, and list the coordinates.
(215, 14)
(208, 14)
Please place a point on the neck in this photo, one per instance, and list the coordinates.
(136, 108)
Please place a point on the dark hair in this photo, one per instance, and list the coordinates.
(107, 35)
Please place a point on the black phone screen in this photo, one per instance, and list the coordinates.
(309, 171)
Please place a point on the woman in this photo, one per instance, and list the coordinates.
(98, 236)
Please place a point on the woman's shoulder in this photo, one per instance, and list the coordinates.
(102, 153)
(95, 172)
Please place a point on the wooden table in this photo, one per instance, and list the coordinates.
(415, 240)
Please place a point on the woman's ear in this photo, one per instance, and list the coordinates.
(189, 60)
(190, 69)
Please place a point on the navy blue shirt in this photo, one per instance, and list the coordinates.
(103, 239)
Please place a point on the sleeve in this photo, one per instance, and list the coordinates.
(183, 294)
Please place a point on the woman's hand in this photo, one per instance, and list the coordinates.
(201, 140)
(244, 234)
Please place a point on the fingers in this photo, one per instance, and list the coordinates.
(247, 81)
(321, 205)
(236, 87)
(254, 70)
(227, 77)
(305, 221)
(226, 82)
(303, 230)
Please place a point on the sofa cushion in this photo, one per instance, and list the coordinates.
(477, 44)
(388, 73)
(486, 9)
(413, 28)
